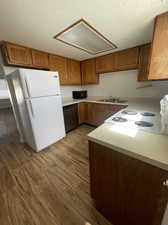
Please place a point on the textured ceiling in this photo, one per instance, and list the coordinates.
(33, 23)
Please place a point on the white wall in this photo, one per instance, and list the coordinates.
(124, 84)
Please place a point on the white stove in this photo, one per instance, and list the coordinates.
(136, 119)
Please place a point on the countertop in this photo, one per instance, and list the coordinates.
(149, 147)
(96, 99)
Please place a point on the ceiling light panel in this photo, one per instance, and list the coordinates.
(83, 36)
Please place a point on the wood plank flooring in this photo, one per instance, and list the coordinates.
(47, 188)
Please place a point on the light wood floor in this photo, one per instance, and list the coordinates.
(46, 188)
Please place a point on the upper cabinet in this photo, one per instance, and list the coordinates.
(106, 63)
(40, 59)
(158, 68)
(16, 54)
(144, 57)
(59, 63)
(74, 72)
(127, 59)
(123, 60)
(88, 68)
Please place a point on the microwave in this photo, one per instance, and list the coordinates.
(79, 94)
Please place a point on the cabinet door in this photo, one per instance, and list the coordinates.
(97, 113)
(89, 116)
(106, 63)
(101, 113)
(74, 72)
(59, 63)
(17, 55)
(89, 75)
(144, 62)
(126, 190)
(40, 59)
(159, 54)
(127, 59)
(82, 112)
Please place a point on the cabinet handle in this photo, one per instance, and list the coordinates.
(31, 107)
(165, 183)
(27, 87)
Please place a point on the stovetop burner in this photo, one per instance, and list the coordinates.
(129, 112)
(119, 119)
(147, 114)
(142, 123)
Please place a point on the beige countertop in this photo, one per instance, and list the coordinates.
(149, 147)
(133, 103)
(71, 101)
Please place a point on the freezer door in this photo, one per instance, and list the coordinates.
(39, 83)
(46, 116)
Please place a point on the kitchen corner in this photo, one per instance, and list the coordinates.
(146, 146)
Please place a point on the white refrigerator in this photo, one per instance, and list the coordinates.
(37, 106)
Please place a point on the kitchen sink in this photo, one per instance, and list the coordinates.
(113, 100)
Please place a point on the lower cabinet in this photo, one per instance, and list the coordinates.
(96, 113)
(87, 112)
(126, 190)
(82, 112)
(70, 117)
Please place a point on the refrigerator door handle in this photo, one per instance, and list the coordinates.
(27, 87)
(31, 107)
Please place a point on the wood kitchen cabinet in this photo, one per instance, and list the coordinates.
(126, 190)
(88, 69)
(96, 113)
(74, 72)
(82, 112)
(16, 54)
(106, 63)
(40, 59)
(59, 63)
(158, 68)
(144, 58)
(69, 70)
(123, 60)
(127, 59)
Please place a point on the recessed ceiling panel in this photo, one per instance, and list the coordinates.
(83, 36)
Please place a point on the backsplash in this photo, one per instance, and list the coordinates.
(124, 84)
(66, 91)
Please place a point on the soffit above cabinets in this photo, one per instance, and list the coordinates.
(83, 36)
